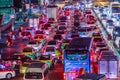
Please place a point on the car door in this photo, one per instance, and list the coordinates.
(103, 68)
(113, 69)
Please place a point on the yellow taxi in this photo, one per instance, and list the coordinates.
(27, 51)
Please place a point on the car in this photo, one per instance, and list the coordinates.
(100, 39)
(104, 16)
(61, 32)
(96, 7)
(62, 28)
(96, 35)
(27, 51)
(39, 32)
(62, 23)
(89, 21)
(64, 43)
(36, 45)
(109, 22)
(6, 73)
(52, 43)
(48, 59)
(87, 11)
(100, 45)
(99, 50)
(116, 32)
(58, 37)
(39, 38)
(63, 18)
(31, 30)
(49, 51)
(26, 35)
(36, 70)
(51, 20)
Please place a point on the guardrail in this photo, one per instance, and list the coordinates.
(106, 33)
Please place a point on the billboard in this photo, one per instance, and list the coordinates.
(6, 3)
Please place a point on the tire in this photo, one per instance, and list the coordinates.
(9, 76)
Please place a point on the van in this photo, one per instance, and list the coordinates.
(36, 71)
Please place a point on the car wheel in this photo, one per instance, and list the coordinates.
(9, 76)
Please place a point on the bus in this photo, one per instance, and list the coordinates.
(77, 57)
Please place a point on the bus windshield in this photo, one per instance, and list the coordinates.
(76, 54)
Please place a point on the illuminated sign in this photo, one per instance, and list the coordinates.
(5, 11)
(5, 3)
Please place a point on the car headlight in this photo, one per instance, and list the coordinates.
(68, 63)
(116, 32)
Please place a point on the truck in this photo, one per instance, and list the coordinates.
(108, 65)
(52, 11)
(77, 57)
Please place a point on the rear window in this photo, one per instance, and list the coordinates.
(38, 37)
(58, 37)
(25, 33)
(97, 39)
(39, 32)
(50, 49)
(52, 43)
(101, 45)
(45, 57)
(32, 42)
(27, 50)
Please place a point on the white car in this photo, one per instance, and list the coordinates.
(35, 45)
(6, 73)
(49, 51)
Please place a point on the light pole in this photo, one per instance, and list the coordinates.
(29, 12)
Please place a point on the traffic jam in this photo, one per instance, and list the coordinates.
(71, 38)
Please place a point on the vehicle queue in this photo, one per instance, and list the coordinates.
(47, 44)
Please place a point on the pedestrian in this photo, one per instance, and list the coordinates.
(13, 64)
(20, 30)
(13, 37)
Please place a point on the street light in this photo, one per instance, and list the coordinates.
(29, 12)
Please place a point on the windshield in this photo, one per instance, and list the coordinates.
(76, 54)
(33, 75)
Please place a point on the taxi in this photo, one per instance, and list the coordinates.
(39, 37)
(96, 35)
